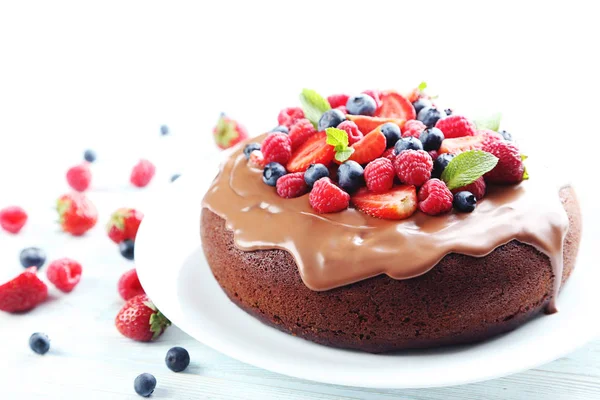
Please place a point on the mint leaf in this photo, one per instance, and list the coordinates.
(339, 140)
(313, 105)
(422, 86)
(467, 167)
(491, 122)
(525, 173)
(345, 154)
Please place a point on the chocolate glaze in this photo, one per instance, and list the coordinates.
(333, 250)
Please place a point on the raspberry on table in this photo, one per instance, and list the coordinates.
(413, 128)
(379, 175)
(325, 197)
(413, 167)
(79, 177)
(277, 147)
(455, 126)
(300, 132)
(435, 198)
(510, 166)
(288, 116)
(129, 285)
(64, 273)
(477, 188)
(291, 185)
(336, 100)
(12, 219)
(142, 173)
(354, 134)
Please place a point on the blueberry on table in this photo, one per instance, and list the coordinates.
(174, 177)
(272, 172)
(314, 173)
(351, 176)
(421, 104)
(164, 130)
(281, 128)
(39, 343)
(391, 132)
(249, 148)
(32, 257)
(431, 138)
(440, 164)
(361, 104)
(144, 384)
(506, 135)
(89, 156)
(464, 201)
(407, 143)
(331, 118)
(177, 359)
(430, 116)
(126, 247)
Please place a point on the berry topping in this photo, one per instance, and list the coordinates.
(434, 154)
(325, 197)
(350, 176)
(314, 151)
(23, 293)
(277, 147)
(314, 173)
(177, 359)
(413, 128)
(435, 198)
(421, 104)
(79, 177)
(368, 124)
(394, 105)
(331, 119)
(129, 285)
(408, 143)
(391, 132)
(461, 144)
(510, 168)
(127, 249)
(464, 201)
(228, 132)
(440, 164)
(257, 160)
(455, 126)
(431, 138)
(272, 172)
(477, 188)
(413, 167)
(77, 214)
(12, 219)
(379, 175)
(39, 343)
(124, 224)
(361, 104)
(300, 132)
(430, 116)
(65, 274)
(354, 134)
(142, 173)
(337, 100)
(288, 116)
(144, 384)
(249, 148)
(32, 257)
(280, 128)
(140, 320)
(89, 156)
(369, 148)
(397, 203)
(506, 135)
(390, 154)
(375, 95)
(291, 185)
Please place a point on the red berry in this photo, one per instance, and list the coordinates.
(140, 320)
(291, 185)
(368, 124)
(77, 214)
(23, 293)
(466, 143)
(12, 219)
(124, 224)
(289, 116)
(325, 197)
(343, 109)
(455, 126)
(142, 173)
(79, 177)
(64, 273)
(379, 175)
(434, 154)
(337, 100)
(390, 154)
(300, 132)
(394, 105)
(369, 148)
(435, 197)
(129, 285)
(257, 160)
(413, 128)
(314, 151)
(376, 95)
(510, 166)
(413, 167)
(277, 148)
(228, 132)
(477, 188)
(397, 203)
(354, 134)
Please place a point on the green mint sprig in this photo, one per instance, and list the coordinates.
(313, 105)
(491, 122)
(422, 86)
(339, 140)
(467, 167)
(525, 173)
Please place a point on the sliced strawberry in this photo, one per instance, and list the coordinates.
(369, 148)
(399, 202)
(465, 143)
(394, 105)
(314, 151)
(367, 124)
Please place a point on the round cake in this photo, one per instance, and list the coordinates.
(395, 268)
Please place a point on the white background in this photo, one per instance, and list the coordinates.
(106, 75)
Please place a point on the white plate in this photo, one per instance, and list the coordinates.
(176, 276)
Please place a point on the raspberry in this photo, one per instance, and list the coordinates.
(379, 175)
(336, 100)
(375, 94)
(390, 154)
(129, 285)
(413, 128)
(257, 160)
(12, 219)
(455, 126)
(510, 166)
(477, 188)
(435, 197)
(354, 134)
(277, 148)
(343, 109)
(413, 167)
(79, 177)
(64, 273)
(288, 116)
(433, 154)
(300, 132)
(142, 173)
(291, 185)
(23, 293)
(325, 197)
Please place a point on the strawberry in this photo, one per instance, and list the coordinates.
(368, 124)
(12, 219)
(129, 285)
(64, 273)
(77, 214)
(228, 132)
(314, 151)
(142, 173)
(140, 320)
(397, 203)
(325, 197)
(510, 168)
(461, 144)
(23, 293)
(124, 224)
(369, 148)
(79, 177)
(394, 105)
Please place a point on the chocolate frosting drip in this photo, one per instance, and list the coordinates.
(333, 250)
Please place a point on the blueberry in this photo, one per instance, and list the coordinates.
(440, 164)
(272, 172)
(331, 118)
(314, 173)
(506, 135)
(430, 115)
(421, 104)
(39, 343)
(448, 111)
(431, 139)
(464, 201)
(126, 247)
(408, 143)
(281, 128)
(391, 132)
(164, 130)
(250, 147)
(174, 177)
(89, 156)
(177, 359)
(32, 257)
(144, 384)
(350, 176)
(361, 104)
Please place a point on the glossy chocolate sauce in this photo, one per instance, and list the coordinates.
(333, 250)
